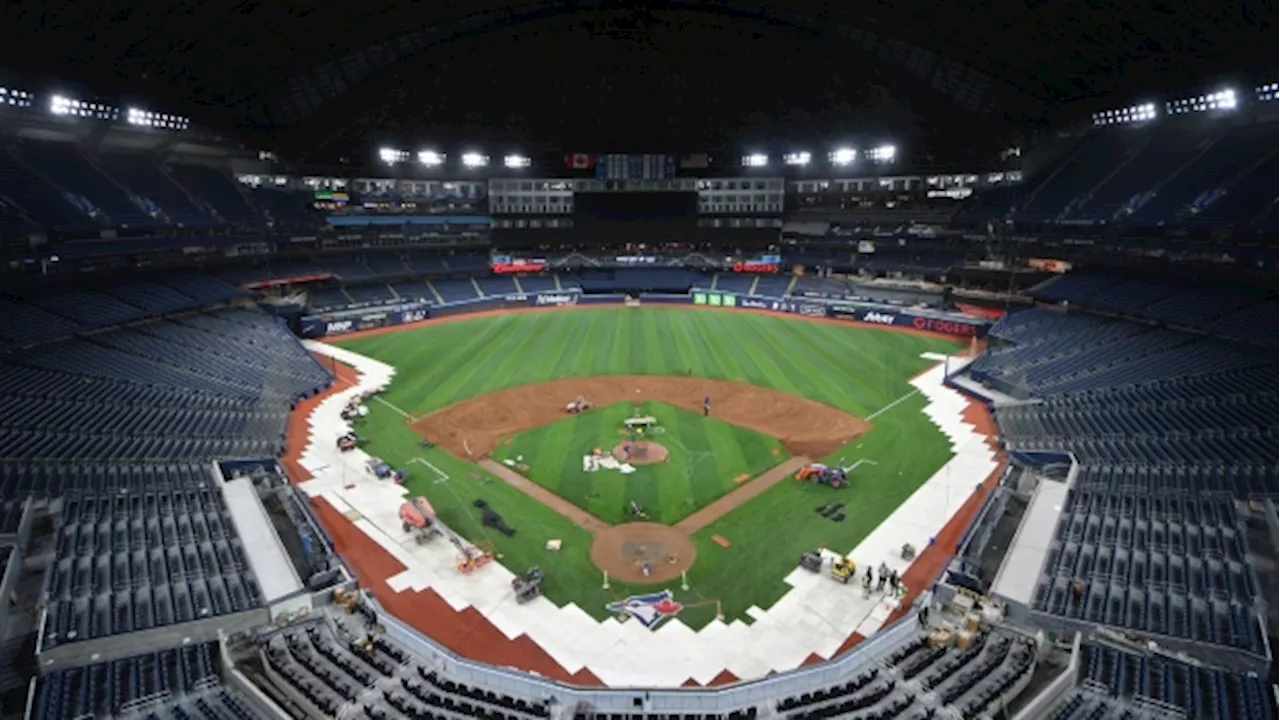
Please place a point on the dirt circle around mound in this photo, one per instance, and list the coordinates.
(623, 550)
(640, 452)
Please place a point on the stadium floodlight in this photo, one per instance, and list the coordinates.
(60, 105)
(1268, 92)
(1134, 114)
(388, 155)
(145, 118)
(430, 158)
(797, 158)
(15, 98)
(755, 160)
(1220, 100)
(514, 161)
(474, 160)
(883, 154)
(63, 105)
(843, 156)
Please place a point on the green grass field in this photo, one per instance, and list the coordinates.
(705, 456)
(858, 370)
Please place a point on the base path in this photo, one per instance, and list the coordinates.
(751, 489)
(474, 428)
(575, 514)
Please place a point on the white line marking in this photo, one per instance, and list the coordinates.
(402, 413)
(443, 475)
(892, 405)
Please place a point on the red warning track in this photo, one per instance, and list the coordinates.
(470, 634)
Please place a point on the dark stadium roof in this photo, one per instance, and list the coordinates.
(600, 71)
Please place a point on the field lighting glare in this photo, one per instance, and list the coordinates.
(884, 153)
(474, 160)
(755, 160)
(516, 161)
(430, 158)
(797, 158)
(844, 156)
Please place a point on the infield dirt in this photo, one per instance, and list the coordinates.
(474, 428)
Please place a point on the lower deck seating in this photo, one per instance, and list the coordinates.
(139, 559)
(181, 683)
(326, 668)
(1115, 681)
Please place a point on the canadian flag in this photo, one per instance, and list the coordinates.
(579, 161)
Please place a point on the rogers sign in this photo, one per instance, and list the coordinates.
(755, 267)
(944, 326)
(524, 267)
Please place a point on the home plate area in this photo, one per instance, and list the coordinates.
(645, 643)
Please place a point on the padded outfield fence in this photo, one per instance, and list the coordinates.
(368, 318)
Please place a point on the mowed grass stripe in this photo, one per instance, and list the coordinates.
(686, 348)
(847, 368)
(490, 367)
(781, 370)
(428, 365)
(561, 360)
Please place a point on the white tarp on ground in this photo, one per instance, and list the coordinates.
(592, 463)
(815, 616)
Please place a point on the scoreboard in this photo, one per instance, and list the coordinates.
(615, 166)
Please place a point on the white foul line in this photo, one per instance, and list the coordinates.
(443, 475)
(893, 404)
(402, 413)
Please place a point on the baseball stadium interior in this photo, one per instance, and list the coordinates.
(192, 208)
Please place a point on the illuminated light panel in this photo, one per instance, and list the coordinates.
(1221, 100)
(431, 158)
(391, 156)
(145, 118)
(474, 160)
(1124, 116)
(514, 161)
(843, 156)
(15, 98)
(63, 105)
(883, 154)
(797, 158)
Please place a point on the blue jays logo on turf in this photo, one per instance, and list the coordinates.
(649, 609)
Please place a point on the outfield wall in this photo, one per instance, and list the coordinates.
(348, 321)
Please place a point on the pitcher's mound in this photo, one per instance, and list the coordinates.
(624, 551)
(641, 452)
